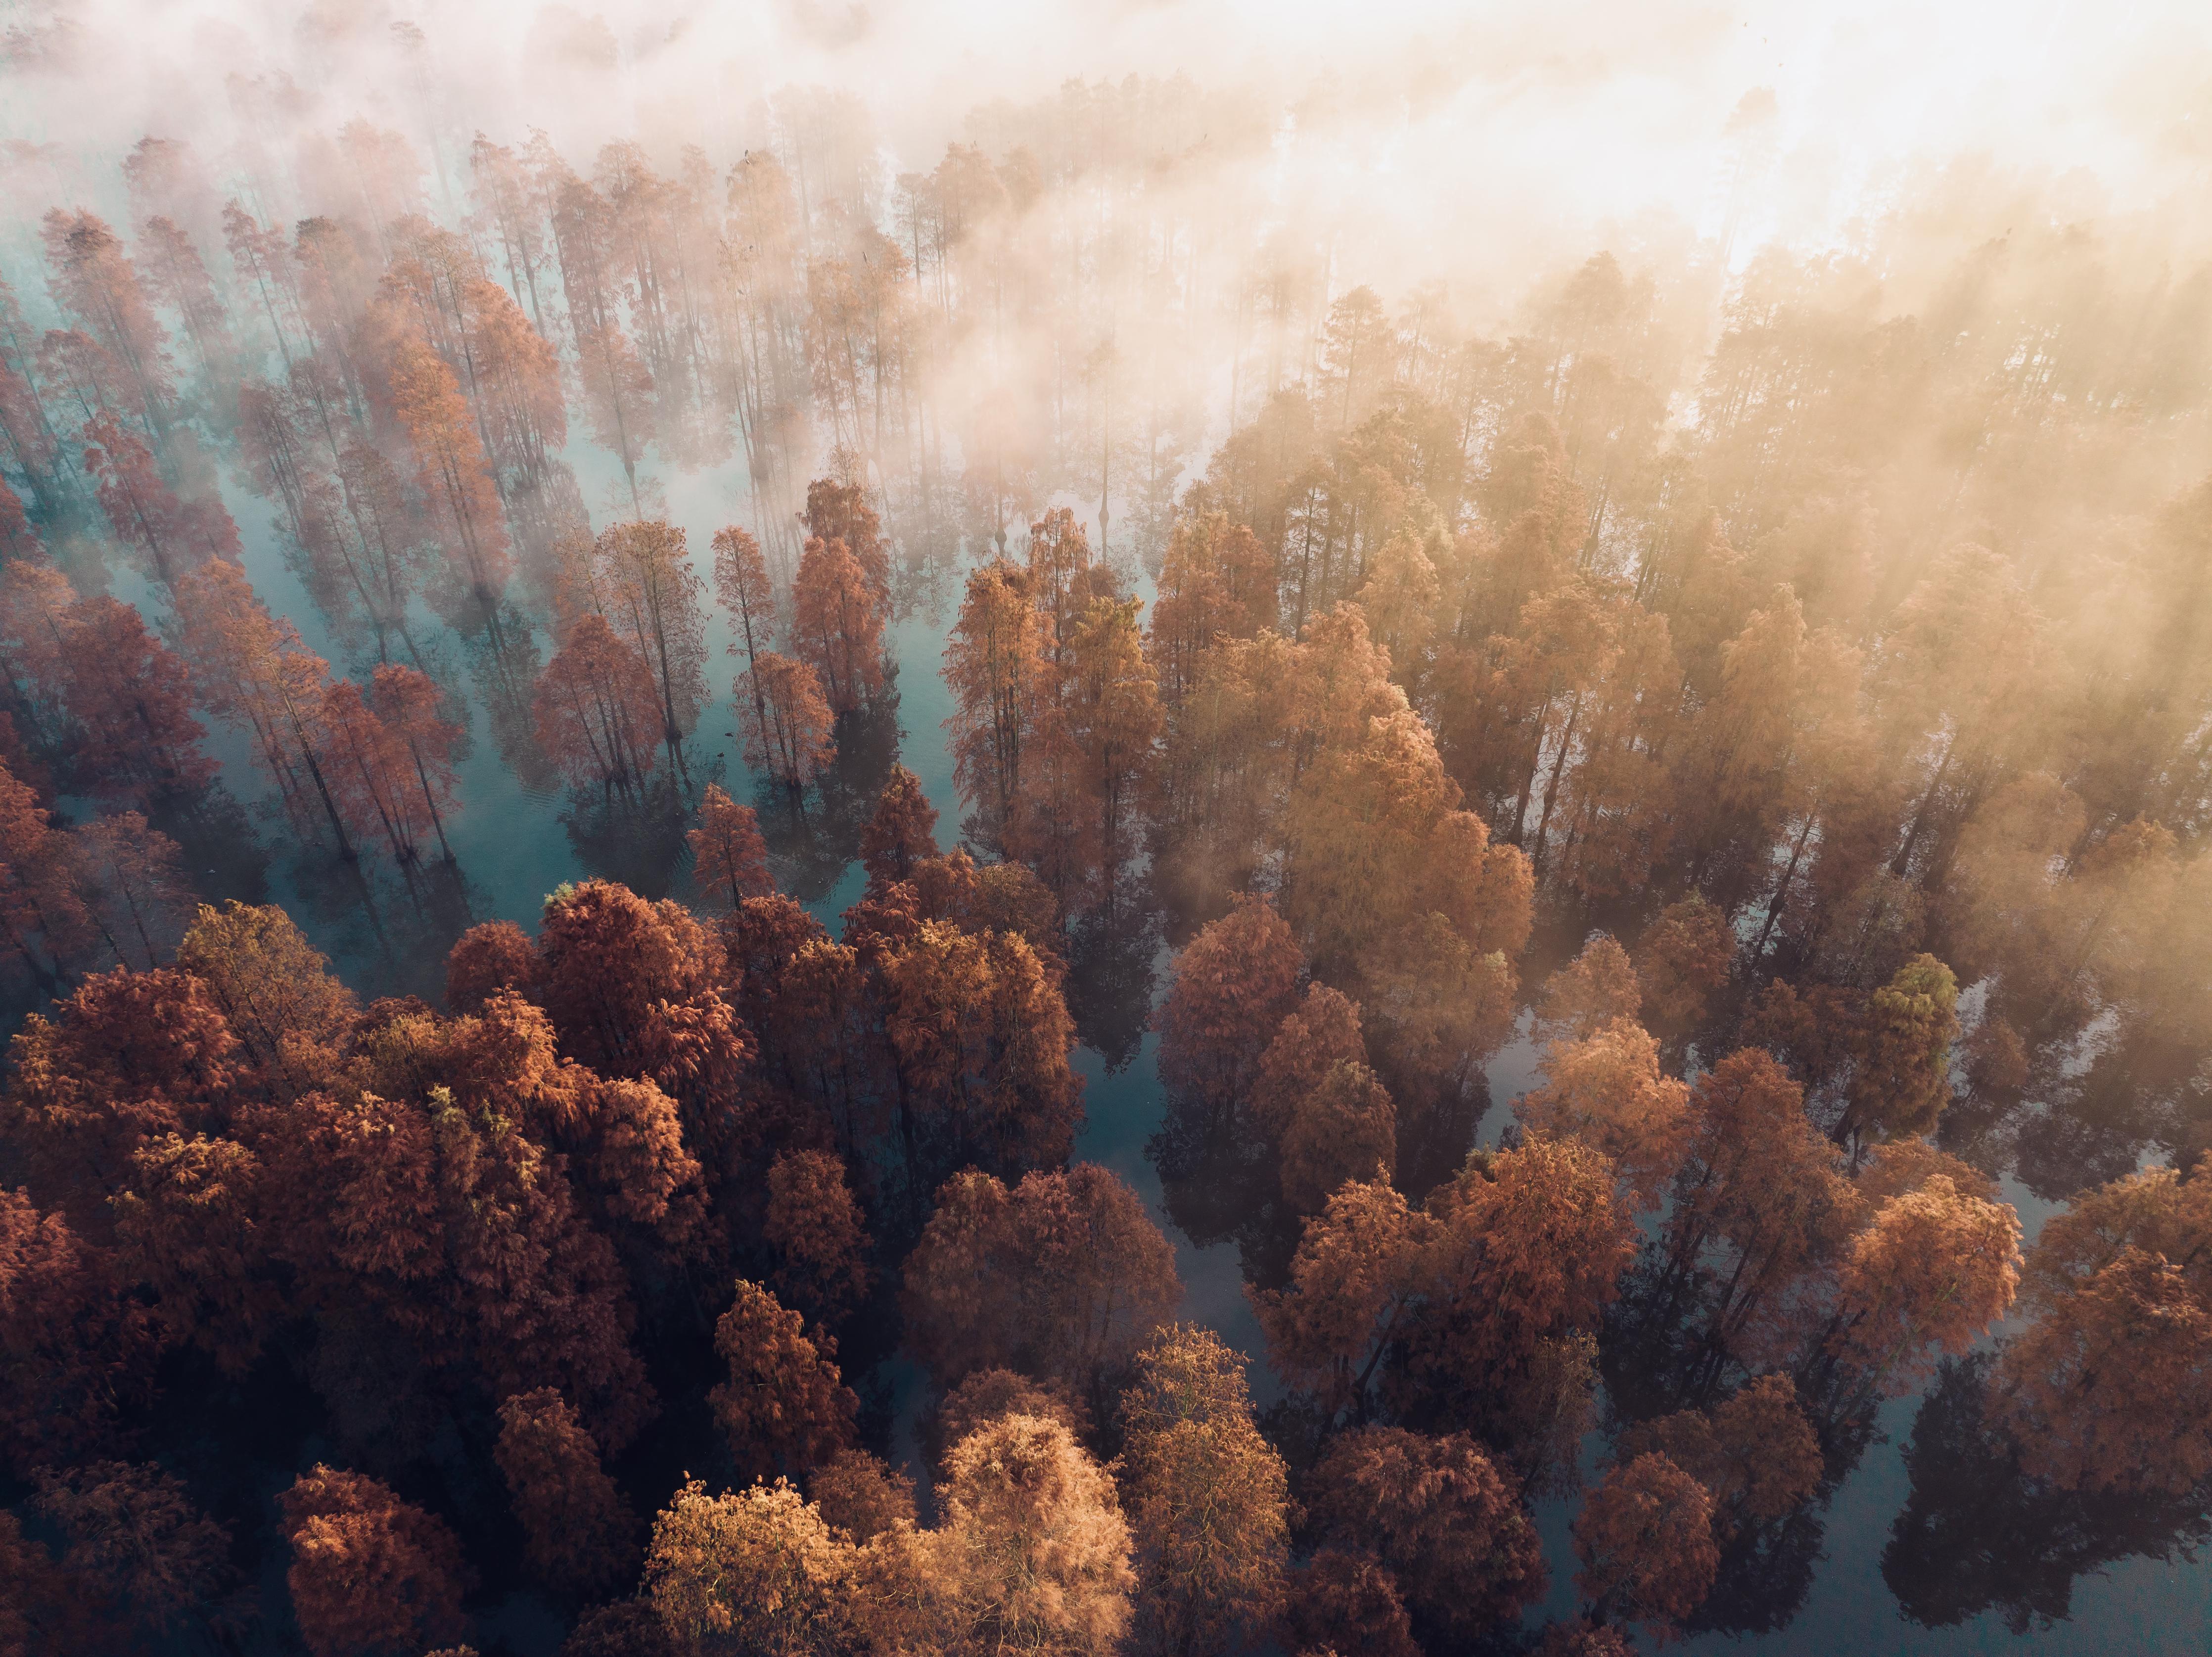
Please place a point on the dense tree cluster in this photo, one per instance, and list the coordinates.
(1773, 705)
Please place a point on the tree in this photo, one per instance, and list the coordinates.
(1208, 1496)
(1933, 1269)
(138, 896)
(1684, 956)
(274, 987)
(40, 906)
(860, 1495)
(836, 627)
(1435, 1513)
(2107, 1387)
(73, 1351)
(96, 284)
(1606, 1090)
(818, 1230)
(840, 511)
(1598, 985)
(369, 1573)
(597, 711)
(993, 668)
(727, 853)
(186, 1229)
(757, 1570)
(453, 472)
(1233, 985)
(169, 536)
(1900, 1055)
(648, 589)
(787, 734)
(1316, 1036)
(743, 587)
(491, 956)
(980, 1040)
(1033, 1553)
(1760, 1202)
(580, 1536)
(1755, 1453)
(137, 1541)
(1344, 1601)
(130, 697)
(1345, 1128)
(902, 831)
(407, 703)
(618, 398)
(1645, 1539)
(783, 1406)
(1063, 1276)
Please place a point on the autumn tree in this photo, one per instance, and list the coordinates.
(644, 584)
(836, 626)
(1208, 1496)
(1033, 1553)
(727, 853)
(1437, 1514)
(74, 1352)
(597, 711)
(783, 1406)
(1598, 985)
(742, 588)
(168, 536)
(980, 1039)
(818, 1234)
(580, 1535)
(861, 1495)
(1343, 1128)
(1233, 985)
(752, 1570)
(96, 283)
(1606, 1090)
(1064, 1275)
(995, 671)
(902, 831)
(1645, 1539)
(787, 721)
(369, 1572)
(1682, 958)
(136, 1540)
(1345, 1602)
(2106, 1388)
(1755, 1452)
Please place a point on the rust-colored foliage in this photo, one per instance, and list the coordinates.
(1064, 1276)
(1755, 1452)
(580, 1536)
(136, 1540)
(1598, 985)
(862, 1496)
(369, 1573)
(168, 536)
(1208, 1498)
(491, 956)
(787, 720)
(1435, 1513)
(1682, 958)
(1605, 1088)
(2108, 1388)
(74, 1351)
(1345, 1602)
(1345, 1128)
(728, 857)
(1645, 1539)
(597, 713)
(783, 1408)
(902, 831)
(837, 625)
(818, 1234)
(1234, 983)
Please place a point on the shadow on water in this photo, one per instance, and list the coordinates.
(1977, 1534)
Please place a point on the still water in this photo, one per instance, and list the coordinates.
(517, 836)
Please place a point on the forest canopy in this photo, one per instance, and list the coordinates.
(1210, 850)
